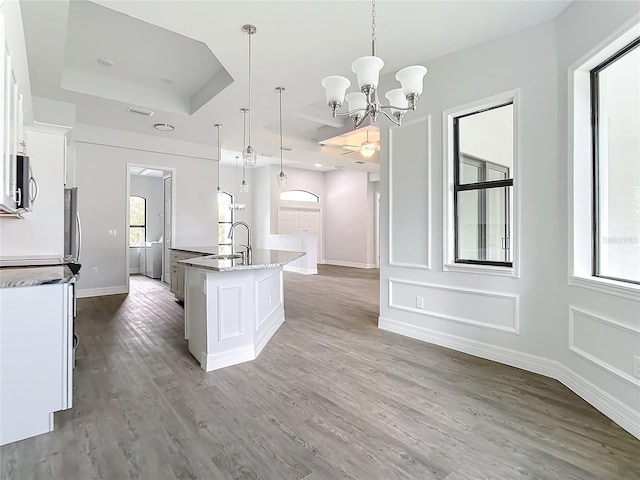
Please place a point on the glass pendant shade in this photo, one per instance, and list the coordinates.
(397, 99)
(367, 69)
(368, 149)
(244, 186)
(335, 88)
(282, 180)
(249, 156)
(411, 79)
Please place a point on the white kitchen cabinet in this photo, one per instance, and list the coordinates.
(177, 271)
(150, 263)
(36, 358)
(15, 93)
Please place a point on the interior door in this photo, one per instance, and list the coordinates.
(166, 257)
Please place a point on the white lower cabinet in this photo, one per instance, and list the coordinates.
(36, 358)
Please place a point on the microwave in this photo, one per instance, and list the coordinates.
(26, 185)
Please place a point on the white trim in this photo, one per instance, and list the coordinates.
(592, 358)
(98, 292)
(215, 361)
(448, 253)
(392, 263)
(580, 164)
(515, 299)
(340, 263)
(301, 271)
(604, 285)
(133, 271)
(272, 328)
(620, 413)
(219, 293)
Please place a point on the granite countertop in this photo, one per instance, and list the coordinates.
(210, 250)
(261, 259)
(32, 276)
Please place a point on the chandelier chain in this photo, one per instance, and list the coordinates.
(373, 28)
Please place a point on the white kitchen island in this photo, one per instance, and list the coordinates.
(232, 309)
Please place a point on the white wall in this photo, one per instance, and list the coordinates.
(519, 321)
(41, 232)
(101, 171)
(348, 219)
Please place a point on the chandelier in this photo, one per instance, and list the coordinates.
(365, 103)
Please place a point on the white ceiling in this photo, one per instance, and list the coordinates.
(297, 44)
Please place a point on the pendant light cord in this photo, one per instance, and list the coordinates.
(219, 154)
(244, 137)
(249, 87)
(280, 130)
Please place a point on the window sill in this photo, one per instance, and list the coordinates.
(604, 285)
(480, 269)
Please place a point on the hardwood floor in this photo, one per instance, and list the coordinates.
(330, 397)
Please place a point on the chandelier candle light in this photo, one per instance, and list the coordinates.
(365, 103)
(282, 178)
(249, 153)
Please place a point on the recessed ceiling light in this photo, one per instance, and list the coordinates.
(164, 127)
(167, 80)
(104, 62)
(140, 111)
(318, 164)
(288, 149)
(359, 162)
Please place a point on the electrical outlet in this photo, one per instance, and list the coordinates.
(636, 366)
(270, 299)
(112, 233)
(419, 302)
(94, 270)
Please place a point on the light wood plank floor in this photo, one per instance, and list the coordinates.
(330, 397)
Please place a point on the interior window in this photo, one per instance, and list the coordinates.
(225, 220)
(137, 220)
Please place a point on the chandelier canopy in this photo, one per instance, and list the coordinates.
(365, 103)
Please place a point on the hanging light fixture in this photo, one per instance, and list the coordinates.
(282, 178)
(219, 126)
(368, 149)
(249, 153)
(365, 103)
(237, 205)
(244, 186)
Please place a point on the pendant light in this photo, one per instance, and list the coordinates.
(219, 126)
(249, 153)
(282, 178)
(244, 186)
(368, 149)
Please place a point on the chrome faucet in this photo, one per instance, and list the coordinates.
(247, 256)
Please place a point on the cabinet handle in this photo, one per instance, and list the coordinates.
(18, 196)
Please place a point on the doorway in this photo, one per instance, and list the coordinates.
(149, 217)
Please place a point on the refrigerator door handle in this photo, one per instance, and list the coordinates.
(79, 233)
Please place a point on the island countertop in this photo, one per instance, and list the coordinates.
(261, 259)
(204, 250)
(32, 276)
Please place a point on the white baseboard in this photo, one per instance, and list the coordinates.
(340, 263)
(620, 413)
(301, 271)
(215, 361)
(98, 292)
(264, 334)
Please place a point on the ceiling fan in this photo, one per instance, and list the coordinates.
(367, 148)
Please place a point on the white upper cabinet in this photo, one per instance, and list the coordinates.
(15, 92)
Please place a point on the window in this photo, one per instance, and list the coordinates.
(299, 196)
(483, 186)
(615, 123)
(137, 220)
(225, 220)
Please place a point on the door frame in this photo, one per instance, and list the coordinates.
(172, 174)
(314, 207)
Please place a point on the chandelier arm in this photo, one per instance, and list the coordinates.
(348, 114)
(404, 109)
(359, 122)
(390, 118)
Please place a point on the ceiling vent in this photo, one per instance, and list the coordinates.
(140, 111)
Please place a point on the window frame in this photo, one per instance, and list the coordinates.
(594, 98)
(144, 225)
(450, 263)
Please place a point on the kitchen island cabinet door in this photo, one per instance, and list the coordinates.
(35, 381)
